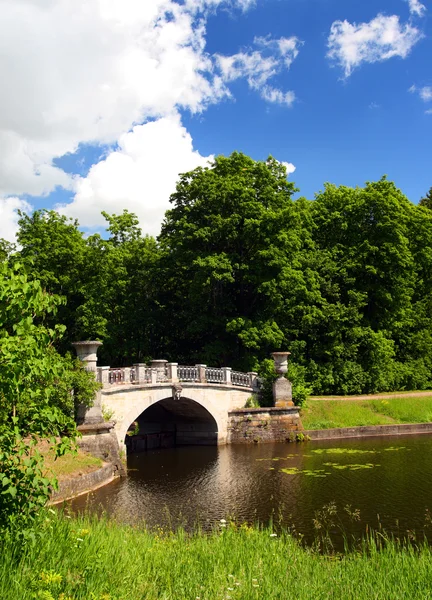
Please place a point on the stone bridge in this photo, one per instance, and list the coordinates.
(166, 404)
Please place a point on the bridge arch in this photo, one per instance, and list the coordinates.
(196, 419)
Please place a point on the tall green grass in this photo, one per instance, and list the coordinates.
(328, 414)
(92, 559)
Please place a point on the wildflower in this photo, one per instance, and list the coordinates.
(80, 540)
(223, 521)
(231, 589)
(273, 535)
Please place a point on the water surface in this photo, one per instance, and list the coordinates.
(388, 479)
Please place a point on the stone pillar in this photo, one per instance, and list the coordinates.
(172, 374)
(103, 376)
(253, 380)
(227, 375)
(87, 353)
(282, 388)
(159, 366)
(201, 369)
(140, 372)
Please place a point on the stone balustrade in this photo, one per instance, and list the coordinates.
(162, 371)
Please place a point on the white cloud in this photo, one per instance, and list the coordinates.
(9, 216)
(290, 168)
(259, 66)
(276, 96)
(425, 92)
(416, 8)
(140, 175)
(92, 72)
(382, 38)
(86, 71)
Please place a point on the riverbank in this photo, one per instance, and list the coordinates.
(69, 465)
(359, 412)
(76, 474)
(86, 558)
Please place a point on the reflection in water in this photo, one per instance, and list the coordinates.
(287, 483)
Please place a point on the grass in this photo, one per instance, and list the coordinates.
(90, 559)
(68, 465)
(328, 414)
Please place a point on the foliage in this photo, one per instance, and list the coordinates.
(252, 401)
(231, 245)
(426, 201)
(107, 413)
(344, 282)
(85, 559)
(107, 282)
(35, 393)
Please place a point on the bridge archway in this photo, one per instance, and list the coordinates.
(171, 422)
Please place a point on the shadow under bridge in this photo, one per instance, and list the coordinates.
(169, 423)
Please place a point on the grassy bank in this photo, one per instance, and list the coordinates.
(101, 560)
(327, 414)
(69, 465)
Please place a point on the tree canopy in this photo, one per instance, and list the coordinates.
(242, 269)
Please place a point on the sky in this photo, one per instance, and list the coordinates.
(105, 102)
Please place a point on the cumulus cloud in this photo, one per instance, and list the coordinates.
(114, 73)
(9, 216)
(290, 168)
(351, 44)
(416, 8)
(139, 175)
(259, 66)
(86, 71)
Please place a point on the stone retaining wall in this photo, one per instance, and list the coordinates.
(257, 425)
(368, 431)
(82, 484)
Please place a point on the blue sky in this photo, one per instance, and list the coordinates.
(110, 99)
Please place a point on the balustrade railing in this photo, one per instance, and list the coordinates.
(238, 378)
(187, 373)
(142, 374)
(213, 375)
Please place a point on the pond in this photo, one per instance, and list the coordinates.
(385, 481)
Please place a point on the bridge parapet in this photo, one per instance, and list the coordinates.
(165, 372)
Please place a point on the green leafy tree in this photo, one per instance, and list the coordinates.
(120, 305)
(232, 245)
(368, 279)
(426, 201)
(35, 394)
(54, 251)
(107, 284)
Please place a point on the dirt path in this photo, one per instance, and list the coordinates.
(427, 393)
